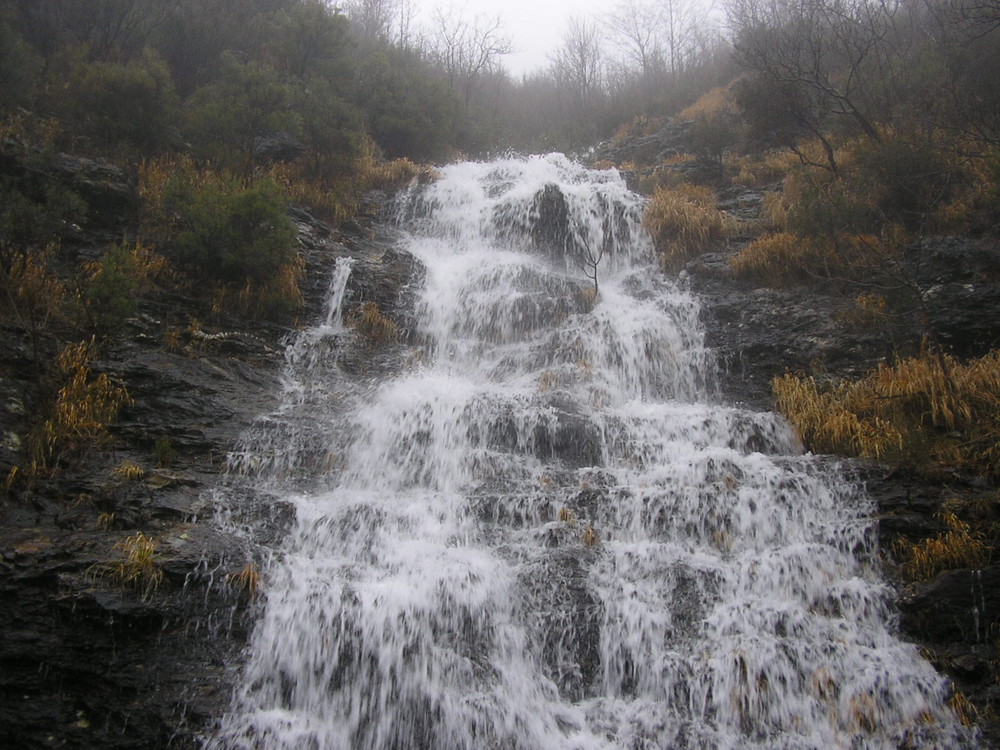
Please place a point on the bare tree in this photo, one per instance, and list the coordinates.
(635, 26)
(683, 23)
(468, 48)
(577, 64)
(386, 20)
(827, 58)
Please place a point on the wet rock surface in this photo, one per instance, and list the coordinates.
(88, 659)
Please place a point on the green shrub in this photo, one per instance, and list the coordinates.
(113, 103)
(246, 101)
(110, 287)
(226, 232)
(19, 66)
(32, 221)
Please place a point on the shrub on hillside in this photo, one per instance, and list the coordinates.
(114, 103)
(225, 231)
(111, 285)
(906, 179)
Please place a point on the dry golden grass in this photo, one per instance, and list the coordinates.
(926, 411)
(373, 172)
(864, 713)
(337, 200)
(717, 101)
(685, 221)
(867, 312)
(154, 174)
(766, 169)
(127, 471)
(84, 407)
(29, 292)
(137, 569)
(958, 547)
(281, 293)
(373, 325)
(548, 380)
(963, 709)
(567, 516)
(335, 203)
(590, 536)
(639, 127)
(776, 260)
(248, 580)
(783, 259)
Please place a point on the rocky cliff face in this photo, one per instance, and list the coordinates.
(85, 660)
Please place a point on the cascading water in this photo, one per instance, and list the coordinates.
(545, 535)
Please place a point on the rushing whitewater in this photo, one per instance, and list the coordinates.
(546, 533)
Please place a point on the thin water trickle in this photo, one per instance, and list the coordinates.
(549, 535)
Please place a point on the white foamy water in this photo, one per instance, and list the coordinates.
(549, 535)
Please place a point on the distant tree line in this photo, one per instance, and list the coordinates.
(221, 79)
(234, 81)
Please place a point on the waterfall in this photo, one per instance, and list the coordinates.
(547, 533)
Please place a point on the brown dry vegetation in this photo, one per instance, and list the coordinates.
(373, 325)
(685, 221)
(924, 412)
(84, 406)
(958, 547)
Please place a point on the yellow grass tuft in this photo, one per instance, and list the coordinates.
(373, 325)
(958, 547)
(869, 311)
(783, 259)
(137, 569)
(923, 411)
(248, 580)
(127, 471)
(548, 380)
(84, 407)
(374, 173)
(567, 516)
(31, 294)
(639, 127)
(776, 260)
(963, 709)
(685, 221)
(714, 102)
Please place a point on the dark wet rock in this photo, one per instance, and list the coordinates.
(277, 147)
(957, 280)
(758, 334)
(958, 605)
(550, 230)
(574, 438)
(111, 196)
(87, 663)
(656, 148)
(84, 661)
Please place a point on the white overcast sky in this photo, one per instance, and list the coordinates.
(535, 27)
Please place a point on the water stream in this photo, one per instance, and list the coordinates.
(547, 533)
